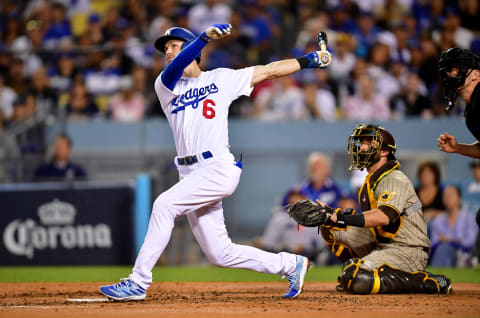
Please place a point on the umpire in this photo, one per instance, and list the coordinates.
(460, 72)
(385, 248)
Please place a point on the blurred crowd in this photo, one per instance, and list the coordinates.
(87, 59)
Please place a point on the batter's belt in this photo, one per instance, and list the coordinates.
(190, 160)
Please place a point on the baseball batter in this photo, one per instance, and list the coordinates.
(386, 247)
(196, 104)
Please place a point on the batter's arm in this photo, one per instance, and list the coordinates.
(274, 70)
(318, 59)
(174, 69)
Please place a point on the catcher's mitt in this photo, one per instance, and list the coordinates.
(309, 213)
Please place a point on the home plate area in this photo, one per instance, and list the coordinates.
(252, 299)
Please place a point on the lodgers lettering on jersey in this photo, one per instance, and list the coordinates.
(192, 97)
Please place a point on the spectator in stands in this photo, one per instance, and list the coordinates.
(16, 78)
(256, 25)
(135, 12)
(63, 73)
(204, 14)
(283, 234)
(59, 28)
(283, 100)
(390, 13)
(365, 33)
(470, 14)
(12, 28)
(110, 22)
(7, 98)
(341, 20)
(46, 97)
(81, 106)
(343, 60)
(453, 232)
(319, 97)
(319, 184)
(429, 189)
(428, 64)
(94, 29)
(60, 167)
(352, 82)
(23, 107)
(471, 192)
(410, 102)
(384, 82)
(463, 37)
(128, 105)
(26, 47)
(366, 105)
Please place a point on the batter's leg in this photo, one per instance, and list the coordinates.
(208, 227)
(199, 188)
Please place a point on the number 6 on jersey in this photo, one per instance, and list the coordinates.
(208, 112)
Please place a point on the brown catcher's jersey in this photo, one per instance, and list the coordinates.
(389, 189)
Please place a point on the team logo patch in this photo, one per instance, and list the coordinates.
(386, 196)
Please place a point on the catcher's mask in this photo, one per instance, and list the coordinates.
(464, 61)
(377, 138)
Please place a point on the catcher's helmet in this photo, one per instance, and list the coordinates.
(455, 58)
(176, 33)
(380, 139)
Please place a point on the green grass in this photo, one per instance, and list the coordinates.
(186, 274)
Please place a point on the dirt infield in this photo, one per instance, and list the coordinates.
(232, 300)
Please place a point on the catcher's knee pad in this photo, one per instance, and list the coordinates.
(340, 250)
(356, 279)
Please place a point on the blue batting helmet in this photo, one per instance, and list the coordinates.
(176, 33)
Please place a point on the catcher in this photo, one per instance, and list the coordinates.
(385, 248)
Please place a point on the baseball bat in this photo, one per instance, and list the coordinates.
(322, 43)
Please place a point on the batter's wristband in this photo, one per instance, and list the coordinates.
(303, 61)
(351, 220)
(204, 37)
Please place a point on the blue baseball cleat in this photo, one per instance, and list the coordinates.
(297, 278)
(127, 289)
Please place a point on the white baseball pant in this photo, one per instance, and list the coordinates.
(199, 194)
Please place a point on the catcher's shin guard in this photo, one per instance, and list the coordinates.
(340, 250)
(394, 281)
(388, 280)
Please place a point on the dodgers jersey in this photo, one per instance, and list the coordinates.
(197, 108)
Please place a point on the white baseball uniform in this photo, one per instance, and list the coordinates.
(197, 111)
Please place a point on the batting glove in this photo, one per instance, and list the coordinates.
(317, 59)
(216, 32)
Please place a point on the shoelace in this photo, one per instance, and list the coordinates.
(123, 285)
(291, 280)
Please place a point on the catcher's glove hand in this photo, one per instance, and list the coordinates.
(311, 214)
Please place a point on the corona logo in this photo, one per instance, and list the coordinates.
(57, 212)
(57, 229)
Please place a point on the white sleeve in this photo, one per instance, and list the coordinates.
(242, 79)
(164, 94)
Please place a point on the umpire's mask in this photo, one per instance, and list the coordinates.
(377, 138)
(455, 65)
